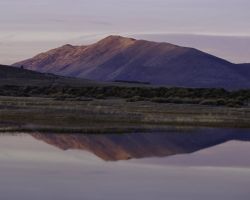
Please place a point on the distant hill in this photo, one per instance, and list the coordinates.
(125, 59)
(22, 77)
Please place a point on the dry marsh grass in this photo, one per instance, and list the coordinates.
(111, 115)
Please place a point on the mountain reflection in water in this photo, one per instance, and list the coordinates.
(114, 147)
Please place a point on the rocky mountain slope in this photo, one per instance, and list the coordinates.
(119, 58)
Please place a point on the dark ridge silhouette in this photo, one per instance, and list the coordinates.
(132, 82)
(10, 75)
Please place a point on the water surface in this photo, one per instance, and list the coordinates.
(177, 164)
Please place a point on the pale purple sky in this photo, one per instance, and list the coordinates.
(31, 26)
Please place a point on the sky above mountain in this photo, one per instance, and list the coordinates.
(30, 26)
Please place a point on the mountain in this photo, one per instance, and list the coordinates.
(119, 58)
(22, 77)
(114, 147)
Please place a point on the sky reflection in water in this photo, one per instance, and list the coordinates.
(35, 166)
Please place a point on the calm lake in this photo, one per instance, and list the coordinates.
(179, 164)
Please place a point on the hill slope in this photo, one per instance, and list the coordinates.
(22, 77)
(119, 58)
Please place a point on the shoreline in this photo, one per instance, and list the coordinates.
(111, 115)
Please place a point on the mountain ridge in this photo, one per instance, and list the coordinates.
(120, 58)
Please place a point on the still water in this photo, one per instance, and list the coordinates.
(177, 164)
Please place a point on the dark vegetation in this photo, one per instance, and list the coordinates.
(204, 96)
(19, 82)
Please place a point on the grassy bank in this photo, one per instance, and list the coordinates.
(111, 115)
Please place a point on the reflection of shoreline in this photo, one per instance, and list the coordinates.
(108, 128)
(95, 129)
(114, 147)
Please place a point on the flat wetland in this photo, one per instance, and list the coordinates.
(111, 115)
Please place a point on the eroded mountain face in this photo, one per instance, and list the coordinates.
(126, 59)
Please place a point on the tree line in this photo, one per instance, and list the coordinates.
(203, 96)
